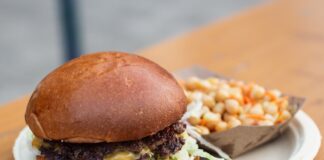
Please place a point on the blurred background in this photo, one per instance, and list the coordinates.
(38, 35)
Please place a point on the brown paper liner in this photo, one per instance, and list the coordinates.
(241, 139)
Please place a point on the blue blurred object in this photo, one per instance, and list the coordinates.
(70, 30)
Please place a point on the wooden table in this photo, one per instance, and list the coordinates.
(279, 44)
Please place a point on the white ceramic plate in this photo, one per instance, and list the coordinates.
(301, 142)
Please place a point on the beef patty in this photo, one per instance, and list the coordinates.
(161, 144)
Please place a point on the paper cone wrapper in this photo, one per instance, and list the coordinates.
(241, 139)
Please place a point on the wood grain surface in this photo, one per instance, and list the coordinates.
(279, 45)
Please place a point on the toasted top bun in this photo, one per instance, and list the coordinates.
(105, 97)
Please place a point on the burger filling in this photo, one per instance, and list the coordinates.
(172, 143)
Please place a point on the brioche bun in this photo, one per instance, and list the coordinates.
(105, 97)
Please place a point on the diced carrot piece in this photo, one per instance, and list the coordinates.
(203, 122)
(256, 116)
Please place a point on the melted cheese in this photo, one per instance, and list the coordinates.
(37, 143)
(120, 156)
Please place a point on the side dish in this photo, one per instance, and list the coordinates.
(229, 103)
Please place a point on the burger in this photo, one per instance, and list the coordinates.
(110, 106)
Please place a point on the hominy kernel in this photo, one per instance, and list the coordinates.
(227, 117)
(203, 85)
(270, 108)
(208, 101)
(234, 122)
(221, 126)
(248, 121)
(232, 106)
(270, 117)
(222, 94)
(283, 105)
(285, 115)
(202, 130)
(236, 93)
(196, 96)
(189, 97)
(275, 93)
(210, 125)
(246, 89)
(256, 109)
(212, 94)
(219, 108)
(247, 108)
(257, 92)
(224, 85)
(213, 81)
(210, 116)
(205, 109)
(265, 123)
(193, 120)
(192, 83)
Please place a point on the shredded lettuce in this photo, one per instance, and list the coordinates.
(30, 135)
(193, 109)
(190, 150)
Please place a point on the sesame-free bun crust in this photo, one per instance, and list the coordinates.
(105, 97)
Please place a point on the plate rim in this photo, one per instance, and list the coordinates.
(311, 134)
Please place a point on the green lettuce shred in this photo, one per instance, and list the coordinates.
(190, 150)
